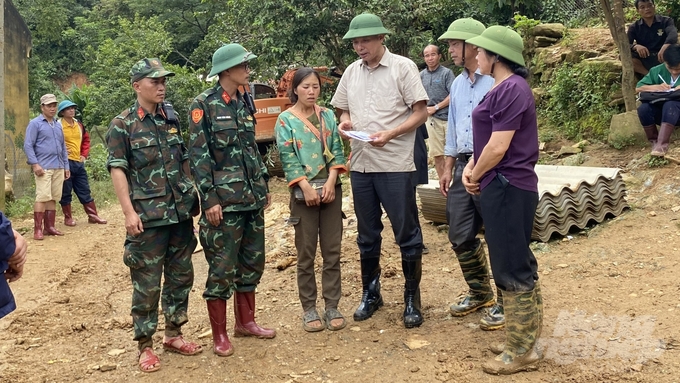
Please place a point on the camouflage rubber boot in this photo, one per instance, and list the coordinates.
(522, 327)
(539, 302)
(494, 317)
(476, 273)
(498, 348)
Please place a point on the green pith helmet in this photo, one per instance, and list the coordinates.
(463, 29)
(365, 24)
(229, 56)
(502, 41)
(151, 68)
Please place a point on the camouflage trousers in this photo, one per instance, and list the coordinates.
(163, 251)
(235, 253)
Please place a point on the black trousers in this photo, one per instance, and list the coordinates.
(395, 192)
(655, 114)
(508, 214)
(77, 183)
(463, 213)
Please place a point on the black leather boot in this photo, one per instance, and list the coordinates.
(413, 270)
(371, 300)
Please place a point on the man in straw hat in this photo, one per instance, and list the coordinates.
(381, 96)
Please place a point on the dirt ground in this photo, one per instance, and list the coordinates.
(610, 292)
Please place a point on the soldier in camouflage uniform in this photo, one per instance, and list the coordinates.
(232, 182)
(150, 171)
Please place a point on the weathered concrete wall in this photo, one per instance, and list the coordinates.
(17, 51)
(16, 54)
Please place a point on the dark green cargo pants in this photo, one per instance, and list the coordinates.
(235, 253)
(163, 251)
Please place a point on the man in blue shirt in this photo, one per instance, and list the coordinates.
(45, 150)
(462, 208)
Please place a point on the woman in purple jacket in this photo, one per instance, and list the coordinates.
(505, 141)
(12, 258)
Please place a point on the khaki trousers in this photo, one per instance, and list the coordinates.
(322, 223)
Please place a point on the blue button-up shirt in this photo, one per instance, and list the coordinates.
(465, 96)
(44, 144)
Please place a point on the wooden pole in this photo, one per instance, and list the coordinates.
(2, 103)
(613, 12)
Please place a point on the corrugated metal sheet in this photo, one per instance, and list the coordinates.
(568, 196)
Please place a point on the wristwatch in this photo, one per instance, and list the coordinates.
(436, 106)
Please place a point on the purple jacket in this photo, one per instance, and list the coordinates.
(7, 248)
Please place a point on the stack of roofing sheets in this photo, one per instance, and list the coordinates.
(568, 196)
(574, 195)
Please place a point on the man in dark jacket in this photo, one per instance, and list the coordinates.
(650, 36)
(12, 258)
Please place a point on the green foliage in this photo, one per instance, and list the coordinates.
(667, 8)
(79, 96)
(630, 13)
(96, 163)
(572, 14)
(523, 25)
(587, 115)
(111, 61)
(20, 207)
(181, 90)
(655, 162)
(621, 142)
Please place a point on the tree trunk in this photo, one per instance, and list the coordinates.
(613, 12)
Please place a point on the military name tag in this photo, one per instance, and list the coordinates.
(223, 118)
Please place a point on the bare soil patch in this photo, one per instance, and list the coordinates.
(611, 306)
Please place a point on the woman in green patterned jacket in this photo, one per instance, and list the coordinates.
(312, 156)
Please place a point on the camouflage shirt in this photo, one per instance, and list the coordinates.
(152, 154)
(225, 161)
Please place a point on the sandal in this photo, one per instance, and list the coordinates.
(310, 316)
(333, 313)
(187, 348)
(148, 360)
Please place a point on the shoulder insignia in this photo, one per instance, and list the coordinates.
(140, 113)
(172, 130)
(196, 115)
(249, 118)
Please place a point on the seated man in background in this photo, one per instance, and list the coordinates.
(650, 36)
(666, 113)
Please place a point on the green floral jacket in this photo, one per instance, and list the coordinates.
(302, 155)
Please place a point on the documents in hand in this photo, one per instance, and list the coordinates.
(361, 136)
